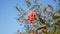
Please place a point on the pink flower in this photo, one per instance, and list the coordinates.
(31, 16)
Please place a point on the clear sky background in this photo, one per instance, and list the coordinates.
(8, 15)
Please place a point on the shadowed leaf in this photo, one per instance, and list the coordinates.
(41, 21)
(17, 8)
(39, 28)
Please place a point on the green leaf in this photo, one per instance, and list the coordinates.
(39, 28)
(34, 6)
(17, 8)
(24, 13)
(48, 24)
(56, 17)
(41, 21)
(28, 3)
(54, 29)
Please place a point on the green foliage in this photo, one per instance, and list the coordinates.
(39, 28)
(41, 21)
(56, 17)
(54, 29)
(53, 25)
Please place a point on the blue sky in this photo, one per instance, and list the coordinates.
(8, 15)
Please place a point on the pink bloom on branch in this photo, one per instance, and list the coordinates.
(31, 16)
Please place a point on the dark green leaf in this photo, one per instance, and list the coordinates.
(56, 17)
(41, 21)
(17, 8)
(48, 24)
(39, 28)
(28, 3)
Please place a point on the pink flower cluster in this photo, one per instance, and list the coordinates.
(31, 16)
